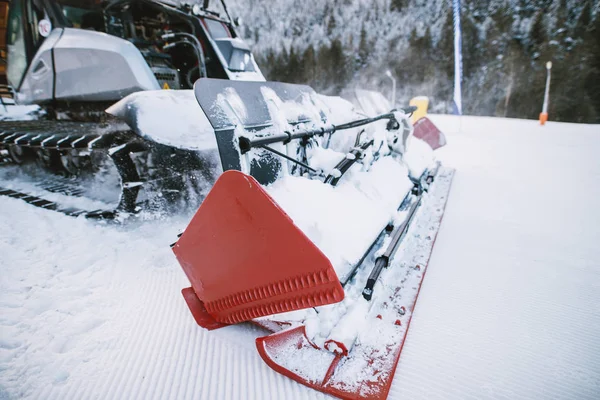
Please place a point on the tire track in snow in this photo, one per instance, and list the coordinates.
(153, 348)
(175, 340)
(179, 375)
(118, 288)
(141, 346)
(162, 358)
(195, 361)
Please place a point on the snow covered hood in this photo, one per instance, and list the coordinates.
(169, 117)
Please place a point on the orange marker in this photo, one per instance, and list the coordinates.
(544, 113)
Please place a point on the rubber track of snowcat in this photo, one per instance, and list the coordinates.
(113, 138)
(60, 135)
(50, 205)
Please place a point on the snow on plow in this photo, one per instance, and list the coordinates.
(320, 231)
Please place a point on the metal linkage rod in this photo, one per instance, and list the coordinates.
(246, 143)
(384, 260)
(398, 233)
(353, 156)
(292, 159)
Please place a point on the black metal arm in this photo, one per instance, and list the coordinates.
(246, 144)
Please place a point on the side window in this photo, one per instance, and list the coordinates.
(16, 45)
(36, 13)
(23, 36)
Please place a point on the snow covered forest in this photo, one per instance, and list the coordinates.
(339, 44)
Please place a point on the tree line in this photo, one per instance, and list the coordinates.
(503, 69)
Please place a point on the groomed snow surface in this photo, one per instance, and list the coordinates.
(508, 309)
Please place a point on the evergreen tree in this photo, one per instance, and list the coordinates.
(309, 64)
(322, 78)
(503, 19)
(376, 12)
(256, 36)
(445, 46)
(592, 79)
(426, 59)
(426, 41)
(294, 67)
(562, 14)
(269, 62)
(278, 70)
(398, 5)
(537, 35)
(584, 20)
(338, 65)
(412, 39)
(471, 49)
(560, 33)
(331, 26)
(363, 48)
(515, 63)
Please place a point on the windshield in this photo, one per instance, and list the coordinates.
(217, 29)
(83, 14)
(83, 4)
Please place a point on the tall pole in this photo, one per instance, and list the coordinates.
(457, 59)
(544, 114)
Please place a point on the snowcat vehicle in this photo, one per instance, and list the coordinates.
(319, 230)
(321, 216)
(75, 58)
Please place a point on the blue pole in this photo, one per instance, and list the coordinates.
(457, 59)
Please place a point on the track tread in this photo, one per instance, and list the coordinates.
(50, 205)
(60, 134)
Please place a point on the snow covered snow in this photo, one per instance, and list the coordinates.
(508, 309)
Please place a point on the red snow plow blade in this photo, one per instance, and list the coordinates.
(245, 258)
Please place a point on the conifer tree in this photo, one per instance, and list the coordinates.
(331, 26)
(322, 70)
(537, 35)
(294, 72)
(338, 61)
(363, 48)
(592, 80)
(445, 45)
(583, 22)
(309, 65)
(398, 5)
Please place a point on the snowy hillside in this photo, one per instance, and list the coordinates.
(505, 45)
(508, 308)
